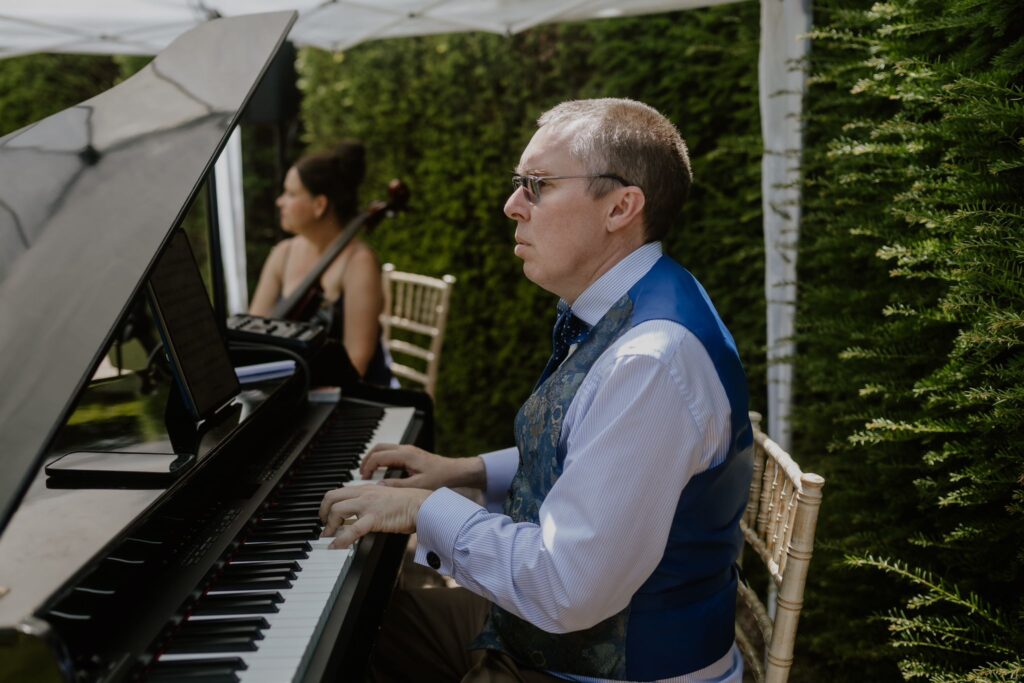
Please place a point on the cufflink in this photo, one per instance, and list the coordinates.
(433, 560)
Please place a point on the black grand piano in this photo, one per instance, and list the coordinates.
(209, 569)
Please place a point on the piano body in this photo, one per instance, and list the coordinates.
(218, 575)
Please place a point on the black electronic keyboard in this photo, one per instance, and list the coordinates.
(300, 336)
(214, 575)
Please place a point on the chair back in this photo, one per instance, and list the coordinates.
(413, 323)
(778, 526)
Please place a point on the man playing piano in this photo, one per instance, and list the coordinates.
(613, 555)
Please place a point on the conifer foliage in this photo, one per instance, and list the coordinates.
(913, 377)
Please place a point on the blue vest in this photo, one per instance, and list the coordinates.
(681, 618)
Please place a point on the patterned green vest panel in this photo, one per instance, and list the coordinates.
(538, 429)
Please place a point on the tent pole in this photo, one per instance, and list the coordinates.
(231, 223)
(782, 82)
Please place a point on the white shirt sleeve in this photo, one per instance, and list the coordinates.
(637, 440)
(500, 467)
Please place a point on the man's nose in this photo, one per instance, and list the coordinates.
(516, 207)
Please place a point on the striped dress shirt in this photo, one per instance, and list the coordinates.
(649, 415)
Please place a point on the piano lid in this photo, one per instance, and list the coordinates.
(87, 198)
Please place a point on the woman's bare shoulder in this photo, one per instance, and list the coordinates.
(363, 255)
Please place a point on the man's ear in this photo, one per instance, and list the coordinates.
(627, 209)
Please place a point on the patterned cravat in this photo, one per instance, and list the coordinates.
(568, 330)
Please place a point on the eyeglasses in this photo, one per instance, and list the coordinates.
(531, 184)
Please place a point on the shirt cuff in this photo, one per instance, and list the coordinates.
(500, 468)
(440, 521)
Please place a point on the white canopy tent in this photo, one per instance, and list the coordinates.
(147, 26)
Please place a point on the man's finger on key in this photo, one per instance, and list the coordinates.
(333, 496)
(350, 533)
(408, 482)
(385, 458)
(340, 512)
(325, 504)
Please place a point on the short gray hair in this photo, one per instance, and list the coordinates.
(632, 140)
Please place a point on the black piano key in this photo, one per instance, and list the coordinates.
(191, 628)
(279, 545)
(302, 487)
(333, 466)
(328, 458)
(200, 673)
(314, 498)
(232, 663)
(296, 508)
(257, 571)
(353, 436)
(356, 439)
(261, 567)
(209, 670)
(257, 553)
(280, 525)
(312, 493)
(232, 604)
(266, 536)
(245, 595)
(271, 524)
(291, 516)
(318, 492)
(325, 479)
(253, 583)
(207, 674)
(337, 458)
(180, 646)
(296, 505)
(334, 482)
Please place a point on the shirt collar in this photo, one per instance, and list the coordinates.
(602, 294)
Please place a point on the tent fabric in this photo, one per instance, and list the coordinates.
(146, 26)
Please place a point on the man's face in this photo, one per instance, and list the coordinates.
(561, 238)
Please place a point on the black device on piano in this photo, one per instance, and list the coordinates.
(298, 335)
(218, 574)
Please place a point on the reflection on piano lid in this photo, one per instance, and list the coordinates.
(87, 198)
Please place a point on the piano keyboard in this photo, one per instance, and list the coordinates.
(262, 613)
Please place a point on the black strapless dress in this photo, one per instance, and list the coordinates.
(377, 372)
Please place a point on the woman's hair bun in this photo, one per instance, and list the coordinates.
(336, 174)
(351, 155)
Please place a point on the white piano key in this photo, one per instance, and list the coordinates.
(263, 676)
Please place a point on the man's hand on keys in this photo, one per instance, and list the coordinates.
(426, 470)
(374, 508)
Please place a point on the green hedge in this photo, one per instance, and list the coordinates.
(912, 272)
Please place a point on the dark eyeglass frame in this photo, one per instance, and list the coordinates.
(531, 184)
